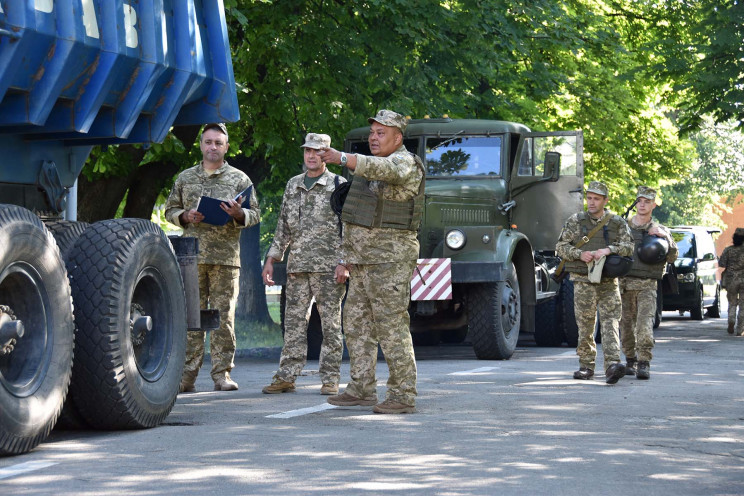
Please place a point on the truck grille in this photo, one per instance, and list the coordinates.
(465, 217)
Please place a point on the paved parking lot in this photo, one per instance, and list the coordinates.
(521, 426)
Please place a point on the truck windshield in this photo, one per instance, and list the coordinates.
(463, 156)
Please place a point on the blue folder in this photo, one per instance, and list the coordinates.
(210, 207)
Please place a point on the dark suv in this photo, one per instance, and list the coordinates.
(695, 270)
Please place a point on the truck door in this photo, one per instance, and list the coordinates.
(541, 203)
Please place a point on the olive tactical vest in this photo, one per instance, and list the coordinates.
(365, 208)
(641, 269)
(605, 237)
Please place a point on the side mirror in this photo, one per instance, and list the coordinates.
(552, 167)
(708, 256)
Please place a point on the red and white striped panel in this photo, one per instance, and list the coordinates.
(432, 279)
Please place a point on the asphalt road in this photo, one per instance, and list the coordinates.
(521, 426)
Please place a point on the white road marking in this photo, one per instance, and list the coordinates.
(302, 411)
(22, 468)
(474, 371)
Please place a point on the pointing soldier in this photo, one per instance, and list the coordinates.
(381, 217)
(219, 250)
(654, 248)
(586, 240)
(308, 227)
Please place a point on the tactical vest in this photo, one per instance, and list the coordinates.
(640, 269)
(365, 208)
(600, 240)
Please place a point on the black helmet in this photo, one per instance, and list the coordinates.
(616, 266)
(652, 250)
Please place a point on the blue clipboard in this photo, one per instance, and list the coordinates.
(210, 207)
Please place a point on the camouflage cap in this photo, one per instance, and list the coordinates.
(317, 141)
(217, 126)
(646, 192)
(597, 188)
(390, 119)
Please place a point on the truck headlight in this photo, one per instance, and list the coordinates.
(687, 277)
(455, 239)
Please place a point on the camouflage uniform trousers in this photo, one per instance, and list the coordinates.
(301, 288)
(637, 322)
(218, 290)
(588, 299)
(735, 297)
(376, 310)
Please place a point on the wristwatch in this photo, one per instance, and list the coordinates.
(342, 262)
(344, 159)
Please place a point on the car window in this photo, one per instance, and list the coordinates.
(463, 156)
(685, 244)
(706, 249)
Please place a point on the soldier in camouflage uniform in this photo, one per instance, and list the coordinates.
(308, 226)
(638, 288)
(219, 250)
(590, 297)
(381, 217)
(732, 259)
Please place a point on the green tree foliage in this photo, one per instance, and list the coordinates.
(717, 176)
(699, 50)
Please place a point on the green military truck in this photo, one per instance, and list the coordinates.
(497, 196)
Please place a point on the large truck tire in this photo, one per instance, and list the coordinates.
(34, 289)
(567, 313)
(548, 331)
(66, 233)
(131, 322)
(494, 314)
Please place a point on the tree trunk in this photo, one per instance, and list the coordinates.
(100, 199)
(251, 305)
(147, 183)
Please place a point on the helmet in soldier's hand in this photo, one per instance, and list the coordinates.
(616, 266)
(652, 250)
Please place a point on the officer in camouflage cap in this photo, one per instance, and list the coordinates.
(219, 250)
(732, 259)
(307, 226)
(381, 217)
(638, 287)
(587, 238)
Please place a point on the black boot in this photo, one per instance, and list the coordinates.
(614, 373)
(630, 366)
(584, 374)
(644, 370)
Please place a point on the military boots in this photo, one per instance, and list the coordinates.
(584, 374)
(730, 327)
(644, 370)
(630, 366)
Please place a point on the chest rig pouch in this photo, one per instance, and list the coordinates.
(366, 208)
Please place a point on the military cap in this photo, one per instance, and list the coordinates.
(317, 141)
(646, 192)
(739, 231)
(390, 119)
(218, 126)
(597, 187)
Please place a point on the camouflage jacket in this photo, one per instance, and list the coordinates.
(732, 259)
(308, 226)
(218, 245)
(572, 233)
(401, 177)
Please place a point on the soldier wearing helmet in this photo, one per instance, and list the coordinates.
(587, 239)
(654, 248)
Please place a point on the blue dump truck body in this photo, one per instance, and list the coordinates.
(74, 74)
(77, 73)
